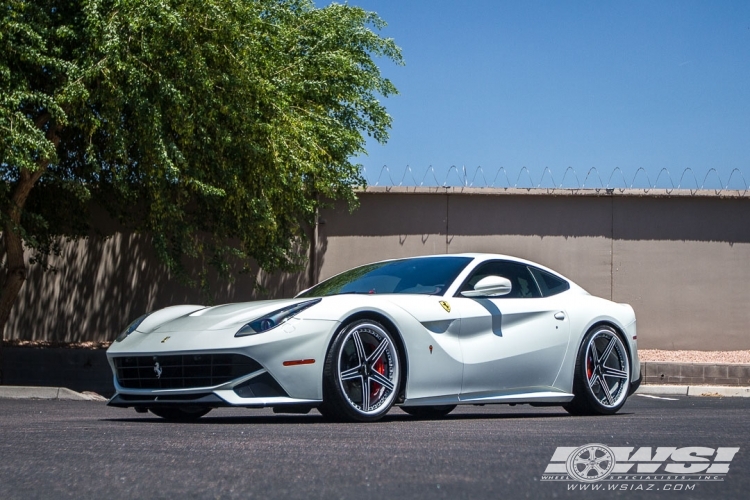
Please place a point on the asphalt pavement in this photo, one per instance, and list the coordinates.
(84, 449)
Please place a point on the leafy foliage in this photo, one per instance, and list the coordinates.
(214, 125)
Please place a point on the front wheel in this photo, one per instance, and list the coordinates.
(185, 414)
(361, 374)
(602, 374)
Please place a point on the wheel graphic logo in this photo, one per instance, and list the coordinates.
(590, 463)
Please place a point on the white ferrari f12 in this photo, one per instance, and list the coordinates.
(424, 333)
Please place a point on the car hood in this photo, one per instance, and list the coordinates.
(217, 317)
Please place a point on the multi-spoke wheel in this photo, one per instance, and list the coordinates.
(602, 374)
(180, 414)
(361, 373)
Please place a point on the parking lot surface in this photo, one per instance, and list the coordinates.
(79, 449)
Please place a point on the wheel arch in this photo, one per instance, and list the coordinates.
(397, 336)
(620, 333)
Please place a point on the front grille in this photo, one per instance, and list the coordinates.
(181, 372)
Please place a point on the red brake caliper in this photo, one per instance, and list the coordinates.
(374, 386)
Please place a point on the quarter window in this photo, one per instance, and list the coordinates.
(549, 283)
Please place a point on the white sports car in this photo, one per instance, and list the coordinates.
(424, 333)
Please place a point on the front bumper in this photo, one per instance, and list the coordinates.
(269, 374)
(256, 390)
(206, 400)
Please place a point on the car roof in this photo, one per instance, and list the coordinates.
(475, 255)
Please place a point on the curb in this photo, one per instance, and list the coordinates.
(58, 393)
(695, 390)
(695, 374)
(77, 369)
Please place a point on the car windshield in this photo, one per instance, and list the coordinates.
(425, 275)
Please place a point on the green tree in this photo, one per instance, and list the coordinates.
(213, 125)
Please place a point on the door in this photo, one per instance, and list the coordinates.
(514, 343)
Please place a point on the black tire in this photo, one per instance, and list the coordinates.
(428, 412)
(601, 385)
(326, 412)
(180, 414)
(361, 374)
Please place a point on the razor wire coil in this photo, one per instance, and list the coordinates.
(735, 185)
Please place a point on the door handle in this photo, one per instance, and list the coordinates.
(560, 315)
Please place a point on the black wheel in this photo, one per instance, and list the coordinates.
(602, 374)
(361, 374)
(181, 414)
(428, 412)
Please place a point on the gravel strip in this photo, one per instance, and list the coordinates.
(719, 357)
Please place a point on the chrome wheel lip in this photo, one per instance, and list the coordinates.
(365, 371)
(608, 368)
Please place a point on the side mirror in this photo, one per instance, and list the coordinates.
(490, 286)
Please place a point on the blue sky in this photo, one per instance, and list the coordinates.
(543, 84)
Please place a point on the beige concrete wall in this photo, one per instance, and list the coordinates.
(684, 265)
(571, 236)
(683, 262)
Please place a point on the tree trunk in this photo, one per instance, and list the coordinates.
(312, 273)
(15, 264)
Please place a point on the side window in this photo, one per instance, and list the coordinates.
(549, 283)
(523, 284)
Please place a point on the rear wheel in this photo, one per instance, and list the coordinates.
(602, 374)
(361, 374)
(180, 414)
(428, 412)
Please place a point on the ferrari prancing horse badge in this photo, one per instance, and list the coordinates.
(445, 305)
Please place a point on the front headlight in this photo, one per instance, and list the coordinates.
(131, 328)
(274, 319)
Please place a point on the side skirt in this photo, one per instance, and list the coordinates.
(531, 397)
